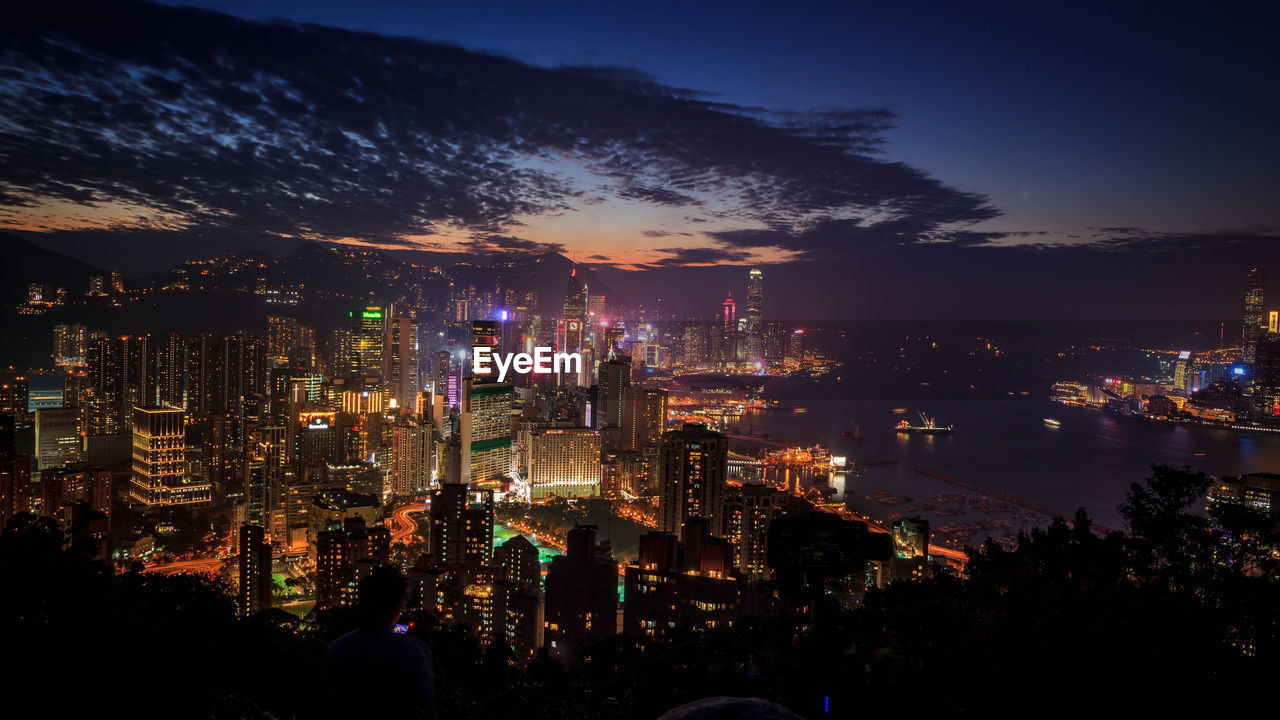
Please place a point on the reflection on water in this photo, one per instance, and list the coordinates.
(1088, 460)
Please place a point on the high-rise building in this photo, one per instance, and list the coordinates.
(1255, 322)
(158, 474)
(367, 339)
(340, 556)
(755, 318)
(400, 360)
(172, 371)
(729, 332)
(559, 462)
(582, 594)
(614, 379)
(139, 370)
(644, 419)
(486, 432)
(255, 570)
(693, 464)
(910, 559)
(1266, 380)
(412, 461)
(58, 437)
(677, 585)
(70, 343)
(461, 525)
(282, 338)
(750, 509)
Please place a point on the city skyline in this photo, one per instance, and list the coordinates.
(883, 222)
(674, 362)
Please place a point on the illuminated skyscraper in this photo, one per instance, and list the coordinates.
(1255, 321)
(755, 317)
(172, 369)
(58, 439)
(693, 463)
(486, 432)
(461, 525)
(729, 332)
(644, 419)
(400, 359)
(614, 379)
(140, 373)
(559, 462)
(69, 344)
(255, 570)
(365, 357)
(575, 298)
(158, 477)
(282, 336)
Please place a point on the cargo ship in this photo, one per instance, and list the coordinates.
(929, 427)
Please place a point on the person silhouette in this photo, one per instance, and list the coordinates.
(373, 671)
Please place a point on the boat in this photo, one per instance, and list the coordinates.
(1052, 422)
(854, 435)
(929, 427)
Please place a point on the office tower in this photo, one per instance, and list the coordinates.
(1254, 321)
(461, 525)
(58, 438)
(400, 360)
(575, 298)
(795, 348)
(367, 338)
(158, 476)
(255, 570)
(486, 431)
(412, 460)
(595, 307)
(70, 343)
(558, 462)
(750, 509)
(319, 440)
(693, 464)
(644, 419)
(485, 333)
(676, 585)
(282, 338)
(172, 371)
(582, 595)
(729, 332)
(1266, 380)
(755, 318)
(614, 379)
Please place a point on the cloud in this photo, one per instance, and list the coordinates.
(679, 256)
(201, 120)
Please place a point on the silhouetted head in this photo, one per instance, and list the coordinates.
(384, 596)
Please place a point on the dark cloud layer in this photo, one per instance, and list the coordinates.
(291, 130)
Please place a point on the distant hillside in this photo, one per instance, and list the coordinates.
(22, 263)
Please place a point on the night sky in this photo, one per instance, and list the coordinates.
(887, 161)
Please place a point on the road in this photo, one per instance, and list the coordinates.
(209, 565)
(403, 526)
